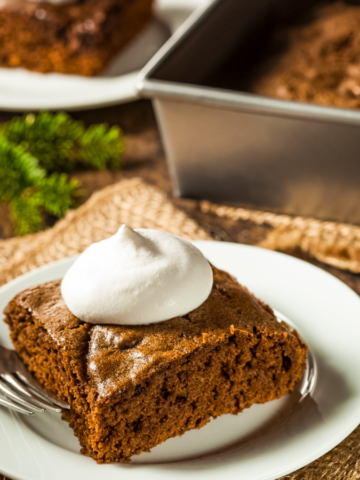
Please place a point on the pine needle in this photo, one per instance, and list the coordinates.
(37, 152)
(62, 144)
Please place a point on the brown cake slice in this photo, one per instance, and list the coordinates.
(79, 37)
(131, 388)
(317, 60)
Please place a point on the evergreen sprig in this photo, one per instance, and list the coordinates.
(37, 152)
(26, 188)
(61, 143)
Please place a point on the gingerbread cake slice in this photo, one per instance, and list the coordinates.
(315, 60)
(133, 387)
(75, 37)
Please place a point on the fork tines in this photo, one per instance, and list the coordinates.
(18, 394)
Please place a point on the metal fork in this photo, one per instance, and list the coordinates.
(19, 391)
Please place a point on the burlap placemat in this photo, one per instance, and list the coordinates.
(140, 205)
(336, 244)
(130, 201)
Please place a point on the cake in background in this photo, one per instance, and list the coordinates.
(318, 62)
(68, 36)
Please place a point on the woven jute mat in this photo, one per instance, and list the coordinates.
(138, 204)
(332, 243)
(131, 202)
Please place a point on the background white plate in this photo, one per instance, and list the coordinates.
(24, 90)
(327, 313)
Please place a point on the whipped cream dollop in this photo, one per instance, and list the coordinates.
(137, 277)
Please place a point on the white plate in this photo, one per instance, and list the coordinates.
(327, 314)
(22, 90)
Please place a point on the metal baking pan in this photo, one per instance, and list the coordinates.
(228, 145)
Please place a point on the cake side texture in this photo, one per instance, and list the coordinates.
(131, 388)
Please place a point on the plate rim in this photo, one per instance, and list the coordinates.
(311, 456)
(123, 86)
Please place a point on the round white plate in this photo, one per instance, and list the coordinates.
(326, 312)
(22, 90)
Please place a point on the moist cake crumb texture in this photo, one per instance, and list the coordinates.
(132, 388)
(318, 62)
(79, 37)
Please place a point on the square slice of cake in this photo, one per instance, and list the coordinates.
(75, 37)
(133, 387)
